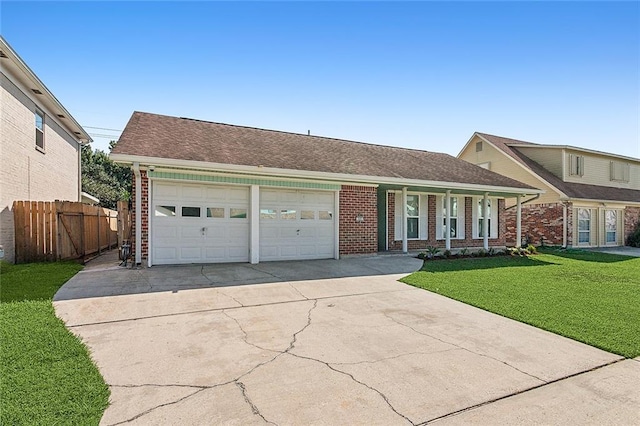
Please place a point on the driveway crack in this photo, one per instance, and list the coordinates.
(254, 409)
(246, 336)
(463, 348)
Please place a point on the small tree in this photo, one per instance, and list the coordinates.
(633, 239)
(103, 178)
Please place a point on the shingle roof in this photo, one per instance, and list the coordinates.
(570, 189)
(159, 136)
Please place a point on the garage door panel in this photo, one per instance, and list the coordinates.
(192, 193)
(193, 254)
(191, 231)
(165, 191)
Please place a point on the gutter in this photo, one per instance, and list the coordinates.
(138, 201)
(524, 202)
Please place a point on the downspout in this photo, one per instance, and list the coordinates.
(524, 202)
(136, 172)
(79, 171)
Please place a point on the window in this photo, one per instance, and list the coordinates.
(478, 146)
(576, 165)
(267, 213)
(584, 226)
(486, 165)
(165, 211)
(620, 171)
(307, 215)
(215, 212)
(325, 215)
(413, 216)
(39, 129)
(238, 213)
(481, 218)
(190, 211)
(611, 225)
(453, 205)
(287, 214)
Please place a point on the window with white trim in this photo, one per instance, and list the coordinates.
(413, 216)
(453, 209)
(576, 165)
(611, 226)
(39, 120)
(584, 226)
(416, 210)
(492, 217)
(481, 218)
(619, 171)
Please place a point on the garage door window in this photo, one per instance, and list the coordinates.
(215, 212)
(307, 215)
(324, 215)
(287, 214)
(267, 213)
(190, 211)
(238, 213)
(165, 211)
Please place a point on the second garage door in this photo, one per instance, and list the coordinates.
(296, 224)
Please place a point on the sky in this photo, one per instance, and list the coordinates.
(422, 75)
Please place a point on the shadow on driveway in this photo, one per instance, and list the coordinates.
(104, 277)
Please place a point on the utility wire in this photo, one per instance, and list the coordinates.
(102, 128)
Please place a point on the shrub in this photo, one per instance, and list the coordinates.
(446, 254)
(432, 251)
(634, 238)
(464, 251)
(481, 253)
(491, 252)
(532, 249)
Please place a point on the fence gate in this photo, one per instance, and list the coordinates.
(47, 231)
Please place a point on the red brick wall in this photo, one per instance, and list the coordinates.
(358, 237)
(631, 218)
(144, 216)
(468, 241)
(539, 221)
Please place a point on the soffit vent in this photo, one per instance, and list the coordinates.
(36, 91)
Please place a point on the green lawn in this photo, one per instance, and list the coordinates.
(47, 376)
(590, 297)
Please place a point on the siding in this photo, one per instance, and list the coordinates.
(505, 165)
(551, 159)
(25, 173)
(597, 171)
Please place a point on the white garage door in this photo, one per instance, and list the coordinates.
(199, 223)
(296, 224)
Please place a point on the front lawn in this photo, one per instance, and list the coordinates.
(47, 374)
(590, 297)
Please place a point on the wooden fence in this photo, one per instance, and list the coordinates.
(58, 230)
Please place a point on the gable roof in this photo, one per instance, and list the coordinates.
(165, 137)
(11, 62)
(569, 189)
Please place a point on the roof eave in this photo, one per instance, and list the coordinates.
(575, 148)
(338, 177)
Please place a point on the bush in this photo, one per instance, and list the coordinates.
(446, 254)
(481, 253)
(634, 239)
(532, 249)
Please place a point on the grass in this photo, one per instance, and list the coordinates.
(47, 375)
(590, 297)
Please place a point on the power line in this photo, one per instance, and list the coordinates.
(101, 135)
(102, 128)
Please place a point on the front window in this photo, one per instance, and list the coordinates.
(413, 215)
(39, 129)
(584, 226)
(611, 224)
(453, 205)
(481, 218)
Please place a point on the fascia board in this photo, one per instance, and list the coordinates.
(340, 177)
(575, 148)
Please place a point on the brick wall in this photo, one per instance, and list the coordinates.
(25, 172)
(539, 222)
(358, 237)
(631, 219)
(395, 243)
(145, 214)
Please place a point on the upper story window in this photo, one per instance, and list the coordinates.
(620, 171)
(39, 115)
(576, 165)
(478, 146)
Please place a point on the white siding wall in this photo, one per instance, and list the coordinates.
(550, 159)
(25, 173)
(597, 171)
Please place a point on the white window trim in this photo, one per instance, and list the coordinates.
(440, 218)
(493, 215)
(576, 165)
(423, 211)
(41, 114)
(578, 231)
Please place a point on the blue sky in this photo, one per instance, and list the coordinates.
(423, 75)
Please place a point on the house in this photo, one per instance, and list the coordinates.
(591, 199)
(40, 144)
(211, 192)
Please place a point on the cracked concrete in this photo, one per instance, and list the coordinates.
(352, 350)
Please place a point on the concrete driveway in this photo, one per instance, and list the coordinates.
(327, 342)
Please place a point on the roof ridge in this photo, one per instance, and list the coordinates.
(294, 133)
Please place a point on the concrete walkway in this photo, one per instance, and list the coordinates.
(179, 345)
(622, 250)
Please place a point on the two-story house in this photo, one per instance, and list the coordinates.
(40, 144)
(591, 199)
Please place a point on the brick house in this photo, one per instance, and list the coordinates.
(210, 192)
(591, 199)
(40, 144)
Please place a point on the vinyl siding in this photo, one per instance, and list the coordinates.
(551, 159)
(597, 171)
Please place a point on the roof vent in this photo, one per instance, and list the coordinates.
(36, 91)
(60, 116)
(2, 55)
(77, 133)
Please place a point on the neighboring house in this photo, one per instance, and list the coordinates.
(39, 144)
(591, 199)
(210, 192)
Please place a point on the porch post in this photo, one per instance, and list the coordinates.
(405, 244)
(485, 220)
(447, 231)
(254, 226)
(518, 222)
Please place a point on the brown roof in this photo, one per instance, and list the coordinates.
(570, 189)
(159, 136)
